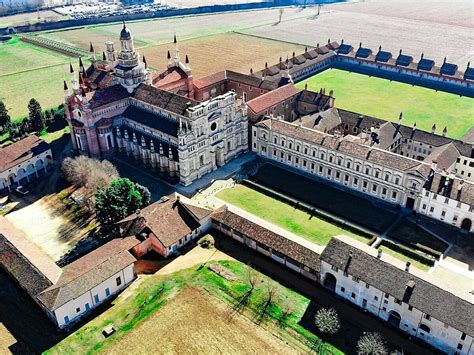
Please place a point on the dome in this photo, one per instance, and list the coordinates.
(125, 33)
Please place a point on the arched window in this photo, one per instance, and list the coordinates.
(424, 328)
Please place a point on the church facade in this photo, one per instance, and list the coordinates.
(117, 106)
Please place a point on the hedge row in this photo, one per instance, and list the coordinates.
(312, 211)
(408, 252)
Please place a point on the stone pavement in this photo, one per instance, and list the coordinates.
(221, 173)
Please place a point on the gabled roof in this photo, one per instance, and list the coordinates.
(21, 151)
(150, 119)
(270, 239)
(29, 251)
(209, 80)
(170, 220)
(89, 271)
(269, 99)
(163, 99)
(105, 96)
(428, 298)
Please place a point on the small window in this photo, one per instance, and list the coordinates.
(463, 336)
(459, 346)
(78, 309)
(427, 316)
(387, 295)
(376, 298)
(353, 295)
(118, 280)
(343, 289)
(334, 268)
(367, 285)
(410, 308)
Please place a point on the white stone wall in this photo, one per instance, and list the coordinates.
(376, 180)
(446, 209)
(70, 309)
(27, 169)
(441, 336)
(464, 168)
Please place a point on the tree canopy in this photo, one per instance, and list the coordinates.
(36, 116)
(5, 120)
(120, 199)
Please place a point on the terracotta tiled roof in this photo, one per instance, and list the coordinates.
(164, 99)
(89, 271)
(209, 80)
(21, 151)
(171, 220)
(428, 298)
(105, 96)
(269, 99)
(268, 238)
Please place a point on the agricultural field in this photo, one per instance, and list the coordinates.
(279, 213)
(434, 28)
(29, 17)
(231, 51)
(160, 31)
(220, 322)
(385, 99)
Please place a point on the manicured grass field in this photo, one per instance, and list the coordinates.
(352, 207)
(386, 99)
(405, 258)
(279, 213)
(154, 301)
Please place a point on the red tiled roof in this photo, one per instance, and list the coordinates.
(272, 98)
(21, 151)
(209, 80)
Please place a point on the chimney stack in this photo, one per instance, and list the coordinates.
(433, 129)
(379, 253)
(445, 130)
(407, 266)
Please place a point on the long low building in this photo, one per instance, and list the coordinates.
(404, 300)
(367, 279)
(70, 293)
(23, 161)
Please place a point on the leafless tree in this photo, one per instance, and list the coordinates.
(88, 173)
(371, 343)
(270, 298)
(327, 320)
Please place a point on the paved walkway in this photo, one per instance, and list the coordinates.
(221, 173)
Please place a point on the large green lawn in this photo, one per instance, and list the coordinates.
(296, 221)
(386, 99)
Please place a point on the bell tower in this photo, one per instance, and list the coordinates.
(129, 71)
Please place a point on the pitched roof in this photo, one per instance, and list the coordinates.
(323, 121)
(170, 220)
(269, 99)
(29, 251)
(445, 156)
(209, 80)
(21, 151)
(164, 99)
(89, 271)
(452, 187)
(21, 269)
(428, 298)
(249, 80)
(150, 119)
(101, 97)
(276, 242)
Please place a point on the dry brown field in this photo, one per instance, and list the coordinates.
(431, 27)
(196, 323)
(160, 31)
(232, 51)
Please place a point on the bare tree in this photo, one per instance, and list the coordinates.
(371, 343)
(271, 296)
(89, 174)
(327, 320)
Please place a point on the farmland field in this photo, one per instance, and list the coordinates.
(433, 27)
(386, 99)
(44, 84)
(232, 51)
(159, 31)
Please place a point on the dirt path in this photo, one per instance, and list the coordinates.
(196, 323)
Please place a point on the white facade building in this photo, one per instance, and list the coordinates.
(89, 281)
(23, 161)
(356, 165)
(403, 300)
